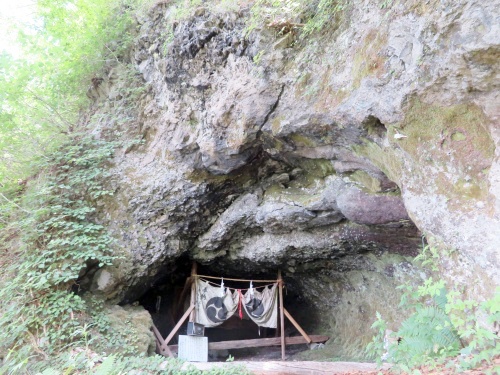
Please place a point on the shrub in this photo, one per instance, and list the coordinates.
(442, 326)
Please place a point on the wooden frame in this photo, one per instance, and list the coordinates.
(255, 343)
(282, 316)
(166, 350)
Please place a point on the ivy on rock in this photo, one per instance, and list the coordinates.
(57, 238)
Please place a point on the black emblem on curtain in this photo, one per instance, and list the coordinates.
(255, 307)
(216, 310)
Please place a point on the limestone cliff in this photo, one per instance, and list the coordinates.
(326, 156)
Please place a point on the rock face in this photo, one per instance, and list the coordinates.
(133, 324)
(259, 155)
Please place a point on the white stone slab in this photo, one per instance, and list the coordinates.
(193, 348)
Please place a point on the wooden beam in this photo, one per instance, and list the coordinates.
(158, 335)
(254, 343)
(194, 271)
(179, 324)
(296, 325)
(161, 344)
(282, 316)
(164, 349)
(180, 302)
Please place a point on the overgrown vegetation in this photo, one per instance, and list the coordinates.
(296, 16)
(443, 329)
(121, 365)
(52, 175)
(299, 18)
(48, 244)
(68, 44)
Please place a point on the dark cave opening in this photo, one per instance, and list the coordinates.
(374, 127)
(169, 299)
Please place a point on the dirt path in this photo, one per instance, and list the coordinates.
(296, 367)
(335, 368)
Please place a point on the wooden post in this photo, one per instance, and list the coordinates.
(194, 271)
(179, 304)
(282, 315)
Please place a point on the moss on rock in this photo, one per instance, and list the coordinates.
(300, 140)
(355, 298)
(368, 182)
(133, 324)
(450, 146)
(384, 158)
(444, 150)
(368, 59)
(317, 168)
(434, 131)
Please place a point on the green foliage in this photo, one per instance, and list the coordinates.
(431, 256)
(266, 12)
(378, 345)
(442, 325)
(180, 10)
(113, 365)
(52, 179)
(48, 229)
(50, 371)
(69, 42)
(483, 342)
(386, 4)
(258, 57)
(309, 16)
(101, 335)
(326, 12)
(184, 9)
(55, 238)
(121, 365)
(107, 366)
(426, 334)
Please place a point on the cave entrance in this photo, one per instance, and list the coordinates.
(237, 314)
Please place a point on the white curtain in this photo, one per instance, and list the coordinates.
(262, 307)
(213, 305)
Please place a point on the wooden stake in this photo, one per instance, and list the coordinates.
(179, 324)
(161, 345)
(282, 316)
(299, 328)
(194, 271)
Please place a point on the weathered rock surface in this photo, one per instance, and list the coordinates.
(318, 154)
(133, 324)
(365, 208)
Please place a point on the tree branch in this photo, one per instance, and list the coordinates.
(14, 203)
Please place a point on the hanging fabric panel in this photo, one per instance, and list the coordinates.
(213, 306)
(262, 307)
